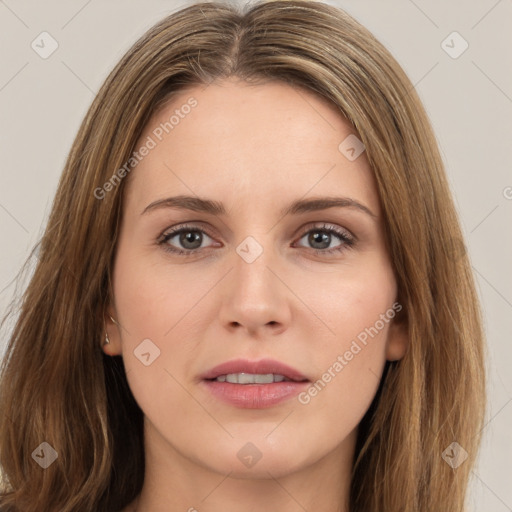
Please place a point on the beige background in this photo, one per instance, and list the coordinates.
(469, 100)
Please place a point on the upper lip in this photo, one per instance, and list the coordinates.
(263, 366)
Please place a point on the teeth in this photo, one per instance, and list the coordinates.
(250, 378)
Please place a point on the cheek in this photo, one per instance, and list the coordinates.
(351, 302)
(349, 359)
(349, 369)
(150, 298)
(159, 306)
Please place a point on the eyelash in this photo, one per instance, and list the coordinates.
(343, 235)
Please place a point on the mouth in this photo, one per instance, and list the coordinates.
(254, 384)
(251, 378)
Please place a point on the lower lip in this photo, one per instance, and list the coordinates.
(255, 396)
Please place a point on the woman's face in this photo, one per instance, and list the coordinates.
(311, 288)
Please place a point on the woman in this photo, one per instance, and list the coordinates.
(315, 344)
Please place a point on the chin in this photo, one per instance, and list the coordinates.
(258, 460)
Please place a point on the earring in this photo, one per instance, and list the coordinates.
(107, 339)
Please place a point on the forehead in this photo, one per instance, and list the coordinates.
(248, 141)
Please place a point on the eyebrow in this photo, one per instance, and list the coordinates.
(297, 207)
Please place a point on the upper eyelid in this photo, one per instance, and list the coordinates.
(327, 226)
(187, 225)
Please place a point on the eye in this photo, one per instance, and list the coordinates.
(189, 237)
(321, 237)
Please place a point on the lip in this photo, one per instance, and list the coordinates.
(254, 396)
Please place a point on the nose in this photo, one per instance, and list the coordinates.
(256, 299)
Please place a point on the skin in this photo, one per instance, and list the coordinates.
(255, 149)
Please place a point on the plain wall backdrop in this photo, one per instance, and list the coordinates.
(463, 78)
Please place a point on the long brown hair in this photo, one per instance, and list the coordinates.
(57, 386)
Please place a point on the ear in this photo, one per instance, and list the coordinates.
(113, 329)
(398, 339)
